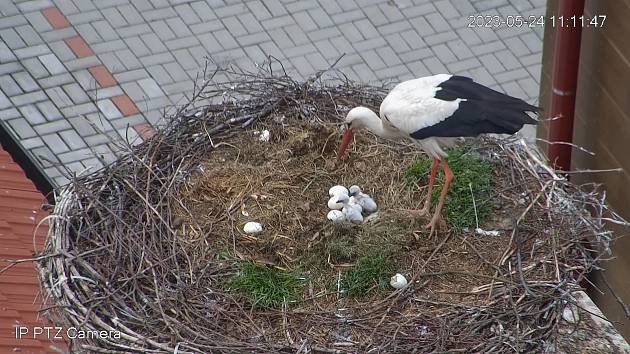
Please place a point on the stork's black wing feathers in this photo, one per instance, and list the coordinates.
(483, 111)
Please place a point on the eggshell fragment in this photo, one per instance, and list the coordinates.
(398, 281)
(252, 227)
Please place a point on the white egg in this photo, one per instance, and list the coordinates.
(398, 281)
(336, 216)
(334, 203)
(252, 227)
(337, 190)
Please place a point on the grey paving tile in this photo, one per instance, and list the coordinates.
(10, 37)
(55, 143)
(34, 5)
(331, 6)
(132, 75)
(8, 8)
(9, 86)
(206, 27)
(32, 114)
(72, 139)
(154, 43)
(4, 101)
(26, 82)
(88, 33)
(128, 59)
(463, 65)
(12, 21)
(10, 67)
(88, 16)
(31, 143)
(59, 96)
(113, 17)
(162, 30)
(182, 43)
(187, 14)
(107, 92)
(109, 46)
(58, 34)
(159, 14)
(104, 30)
(511, 75)
(111, 62)
(55, 80)
(150, 87)
(35, 67)
(302, 18)
(133, 90)
(6, 54)
(76, 93)
(10, 113)
(66, 6)
(133, 30)
(460, 49)
(491, 63)
(52, 64)
(176, 72)
(79, 109)
(82, 63)
(507, 59)
(131, 15)
(296, 6)
(259, 10)
(29, 35)
(108, 109)
(51, 127)
(61, 51)
(155, 59)
(255, 38)
(22, 128)
(75, 155)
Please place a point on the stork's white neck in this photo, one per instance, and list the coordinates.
(370, 121)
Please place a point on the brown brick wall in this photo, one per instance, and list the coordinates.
(602, 125)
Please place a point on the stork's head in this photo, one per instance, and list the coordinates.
(355, 120)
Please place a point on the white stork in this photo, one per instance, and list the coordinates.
(432, 112)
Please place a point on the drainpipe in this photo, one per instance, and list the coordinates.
(565, 72)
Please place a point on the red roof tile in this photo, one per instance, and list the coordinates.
(20, 299)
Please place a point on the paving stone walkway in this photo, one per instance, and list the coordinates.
(78, 75)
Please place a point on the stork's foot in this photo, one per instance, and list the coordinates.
(432, 225)
(417, 212)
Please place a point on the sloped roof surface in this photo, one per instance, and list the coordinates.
(20, 301)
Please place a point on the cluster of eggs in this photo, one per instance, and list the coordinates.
(349, 204)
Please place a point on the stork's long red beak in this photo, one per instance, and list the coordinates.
(347, 138)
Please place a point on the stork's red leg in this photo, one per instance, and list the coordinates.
(427, 202)
(448, 177)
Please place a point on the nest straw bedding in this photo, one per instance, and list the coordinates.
(150, 245)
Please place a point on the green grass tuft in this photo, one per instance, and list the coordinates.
(370, 273)
(266, 287)
(469, 169)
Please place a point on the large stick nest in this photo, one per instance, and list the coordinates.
(117, 259)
